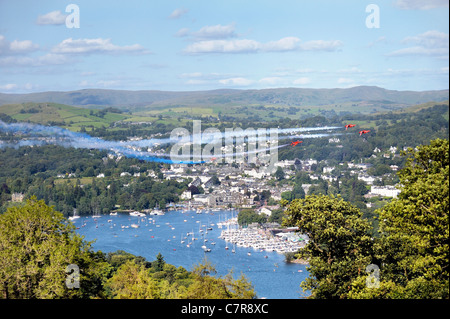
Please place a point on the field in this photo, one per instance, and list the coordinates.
(62, 115)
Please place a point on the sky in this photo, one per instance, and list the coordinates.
(194, 45)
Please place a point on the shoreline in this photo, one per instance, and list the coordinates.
(300, 261)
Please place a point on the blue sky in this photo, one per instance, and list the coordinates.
(202, 45)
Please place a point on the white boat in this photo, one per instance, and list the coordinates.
(113, 214)
(137, 214)
(75, 216)
(206, 249)
(157, 211)
(135, 225)
(96, 215)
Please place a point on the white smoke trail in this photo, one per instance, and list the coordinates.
(44, 135)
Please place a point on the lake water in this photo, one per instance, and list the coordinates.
(271, 277)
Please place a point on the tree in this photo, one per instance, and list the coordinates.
(339, 246)
(206, 286)
(413, 249)
(279, 174)
(248, 216)
(159, 263)
(37, 244)
(133, 281)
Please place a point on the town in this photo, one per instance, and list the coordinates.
(242, 185)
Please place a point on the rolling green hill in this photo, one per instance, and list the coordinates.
(62, 115)
(361, 99)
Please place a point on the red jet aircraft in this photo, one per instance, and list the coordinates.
(349, 125)
(363, 132)
(295, 143)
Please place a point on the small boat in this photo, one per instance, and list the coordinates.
(137, 214)
(135, 225)
(205, 249)
(75, 216)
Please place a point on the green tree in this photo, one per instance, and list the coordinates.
(339, 246)
(206, 286)
(133, 281)
(159, 263)
(248, 216)
(279, 174)
(413, 249)
(37, 244)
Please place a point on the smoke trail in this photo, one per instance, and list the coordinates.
(51, 135)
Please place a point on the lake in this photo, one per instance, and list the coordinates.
(147, 236)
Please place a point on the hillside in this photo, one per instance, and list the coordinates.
(359, 99)
(61, 115)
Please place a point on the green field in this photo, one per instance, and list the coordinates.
(62, 115)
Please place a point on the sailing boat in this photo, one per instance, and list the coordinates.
(96, 214)
(75, 216)
(228, 230)
(157, 210)
(205, 249)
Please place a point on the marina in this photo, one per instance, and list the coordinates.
(186, 238)
(259, 239)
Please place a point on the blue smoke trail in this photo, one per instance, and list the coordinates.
(53, 135)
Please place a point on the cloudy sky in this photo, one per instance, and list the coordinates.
(211, 44)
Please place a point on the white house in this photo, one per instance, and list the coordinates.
(186, 195)
(385, 191)
(266, 211)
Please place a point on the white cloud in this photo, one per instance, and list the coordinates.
(52, 18)
(353, 69)
(284, 44)
(430, 43)
(178, 13)
(99, 45)
(109, 83)
(421, 4)
(209, 32)
(252, 46)
(236, 81)
(23, 46)
(196, 82)
(8, 86)
(16, 47)
(13, 87)
(321, 45)
(381, 39)
(302, 81)
(184, 32)
(344, 81)
(191, 75)
(215, 32)
(270, 80)
(223, 46)
(429, 39)
(25, 61)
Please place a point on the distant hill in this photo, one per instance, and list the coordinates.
(61, 115)
(293, 97)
